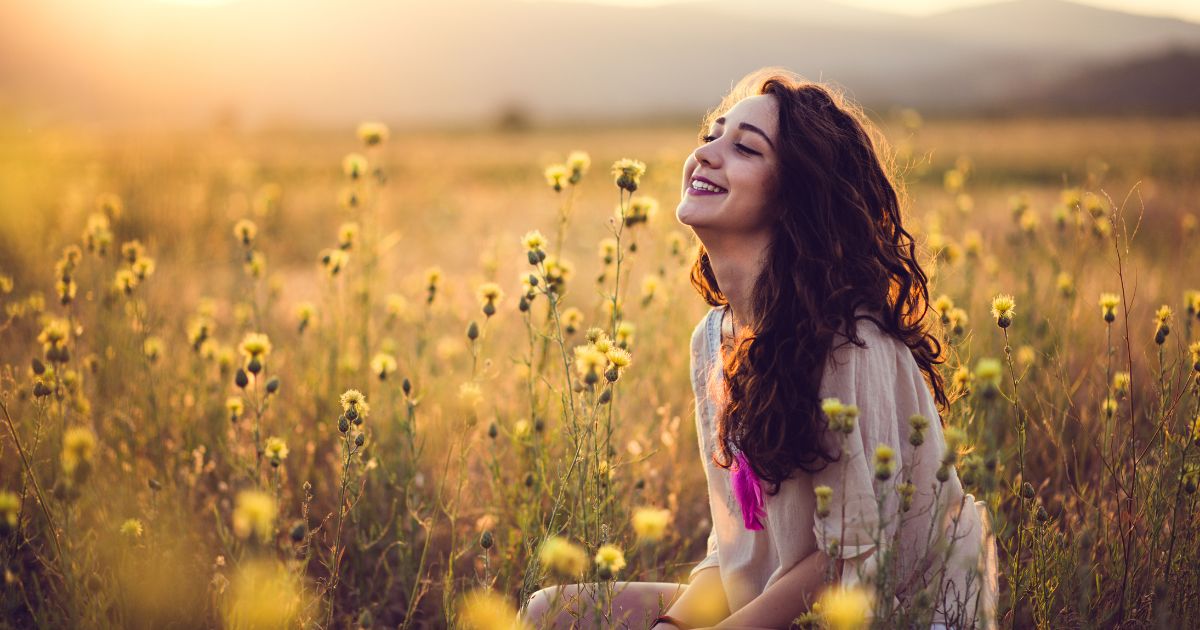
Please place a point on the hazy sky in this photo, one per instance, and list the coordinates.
(1186, 9)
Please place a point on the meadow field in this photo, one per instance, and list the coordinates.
(329, 378)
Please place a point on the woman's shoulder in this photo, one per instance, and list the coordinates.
(702, 330)
(870, 343)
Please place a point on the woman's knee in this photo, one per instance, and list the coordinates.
(539, 604)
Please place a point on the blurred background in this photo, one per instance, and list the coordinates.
(263, 63)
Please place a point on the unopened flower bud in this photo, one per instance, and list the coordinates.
(39, 368)
(360, 439)
(343, 424)
(485, 539)
(1027, 491)
(241, 379)
(254, 366)
(473, 331)
(273, 385)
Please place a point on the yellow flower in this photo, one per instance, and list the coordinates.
(132, 528)
(132, 250)
(382, 365)
(490, 293)
(305, 311)
(1109, 406)
(556, 175)
(354, 399)
(972, 243)
(628, 173)
(1120, 383)
(78, 445)
(589, 362)
(533, 241)
(884, 462)
(54, 333)
(640, 210)
(152, 348)
(255, 346)
(572, 320)
(254, 513)
(1066, 284)
(650, 286)
(824, 495)
(1108, 306)
(619, 358)
(10, 507)
(563, 557)
(989, 371)
(1194, 349)
(1003, 309)
(245, 231)
(264, 594)
(485, 610)
(610, 557)
(625, 330)
(276, 450)
(354, 165)
(846, 608)
(962, 377)
(579, 162)
(470, 394)
(125, 281)
(957, 320)
(953, 180)
(522, 428)
(372, 133)
(235, 407)
(347, 234)
(650, 524)
(942, 306)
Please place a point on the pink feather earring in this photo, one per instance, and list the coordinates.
(747, 488)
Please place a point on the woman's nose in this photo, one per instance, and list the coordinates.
(706, 156)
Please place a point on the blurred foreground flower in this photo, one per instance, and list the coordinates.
(485, 610)
(264, 595)
(846, 608)
(564, 557)
(651, 523)
(255, 514)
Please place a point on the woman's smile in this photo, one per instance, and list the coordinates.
(703, 186)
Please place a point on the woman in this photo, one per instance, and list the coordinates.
(815, 354)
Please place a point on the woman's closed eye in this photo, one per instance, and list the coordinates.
(740, 147)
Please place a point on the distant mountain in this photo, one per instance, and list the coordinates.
(1146, 85)
(140, 61)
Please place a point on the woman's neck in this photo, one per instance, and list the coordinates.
(737, 264)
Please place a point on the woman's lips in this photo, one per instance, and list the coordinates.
(693, 190)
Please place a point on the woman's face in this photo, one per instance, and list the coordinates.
(729, 180)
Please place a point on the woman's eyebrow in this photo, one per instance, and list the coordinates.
(748, 127)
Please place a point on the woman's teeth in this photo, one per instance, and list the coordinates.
(699, 185)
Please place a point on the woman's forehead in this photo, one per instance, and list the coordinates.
(759, 110)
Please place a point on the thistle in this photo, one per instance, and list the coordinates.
(1003, 309)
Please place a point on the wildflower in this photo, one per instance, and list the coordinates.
(354, 165)
(572, 320)
(355, 406)
(846, 608)
(1194, 349)
(125, 281)
(276, 450)
(579, 162)
(10, 507)
(1029, 221)
(556, 176)
(132, 250)
(650, 524)
(54, 334)
(1108, 407)
(628, 173)
(1191, 301)
(132, 528)
(489, 294)
(1196, 430)
(235, 406)
(650, 286)
(563, 557)
(66, 290)
(1102, 227)
(263, 594)
(254, 514)
(152, 348)
(557, 273)
(608, 250)
(589, 362)
(533, 241)
(485, 610)
(906, 491)
(824, 495)
(433, 276)
(522, 429)
(1003, 309)
(372, 133)
(334, 260)
(1066, 284)
(1026, 355)
(958, 321)
(78, 446)
(625, 332)
(255, 265)
(942, 306)
(305, 311)
(347, 234)
(1093, 205)
(1108, 306)
(255, 347)
(641, 210)
(1162, 317)
(245, 231)
(918, 424)
(383, 364)
(884, 464)
(610, 559)
(989, 371)
(1120, 384)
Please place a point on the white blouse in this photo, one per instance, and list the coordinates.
(884, 381)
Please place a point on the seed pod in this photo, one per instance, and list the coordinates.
(40, 390)
(473, 331)
(406, 386)
(343, 424)
(523, 304)
(352, 413)
(360, 439)
(241, 379)
(1027, 491)
(273, 385)
(493, 430)
(39, 368)
(1042, 514)
(485, 539)
(605, 397)
(254, 366)
(489, 309)
(298, 531)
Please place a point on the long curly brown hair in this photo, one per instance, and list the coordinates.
(838, 245)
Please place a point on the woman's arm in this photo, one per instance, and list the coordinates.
(787, 598)
(703, 602)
